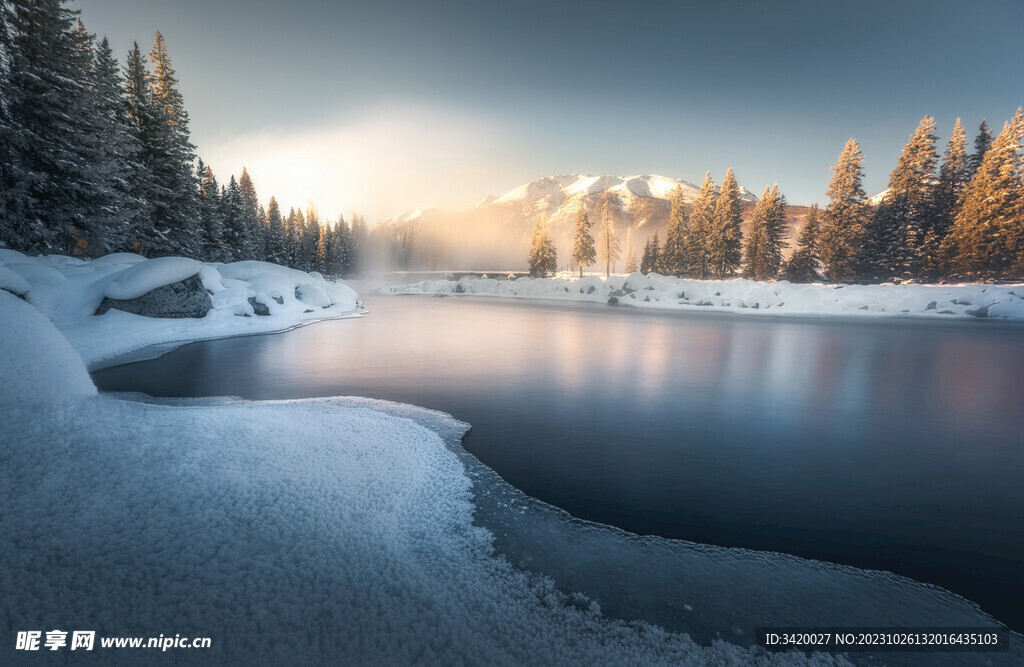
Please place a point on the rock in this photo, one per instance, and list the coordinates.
(978, 312)
(613, 301)
(459, 289)
(932, 305)
(185, 298)
(257, 307)
(618, 293)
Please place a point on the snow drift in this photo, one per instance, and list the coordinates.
(748, 296)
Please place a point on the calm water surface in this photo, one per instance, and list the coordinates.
(895, 445)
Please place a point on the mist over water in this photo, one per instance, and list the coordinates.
(895, 445)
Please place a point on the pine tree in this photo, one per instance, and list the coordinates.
(323, 244)
(631, 265)
(310, 238)
(763, 256)
(143, 128)
(701, 221)
(608, 241)
(48, 180)
(981, 145)
(802, 266)
(8, 130)
(953, 177)
(235, 232)
(983, 243)
(171, 158)
(277, 240)
(725, 237)
(211, 216)
(583, 252)
(543, 258)
(652, 259)
(843, 226)
(673, 256)
(250, 216)
(896, 230)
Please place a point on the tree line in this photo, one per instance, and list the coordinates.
(962, 219)
(96, 157)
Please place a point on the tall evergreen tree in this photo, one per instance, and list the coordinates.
(144, 129)
(8, 138)
(250, 216)
(172, 155)
(981, 145)
(235, 230)
(277, 239)
(843, 226)
(48, 182)
(983, 241)
(673, 256)
(651, 260)
(953, 177)
(543, 257)
(802, 266)
(583, 252)
(211, 216)
(701, 222)
(896, 230)
(608, 241)
(764, 242)
(725, 237)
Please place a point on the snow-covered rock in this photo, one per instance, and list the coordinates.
(143, 277)
(748, 296)
(12, 282)
(183, 298)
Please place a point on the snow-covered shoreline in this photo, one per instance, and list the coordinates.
(943, 302)
(69, 290)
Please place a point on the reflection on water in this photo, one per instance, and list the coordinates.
(891, 445)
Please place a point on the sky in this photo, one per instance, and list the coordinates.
(385, 106)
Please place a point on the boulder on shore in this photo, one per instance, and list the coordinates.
(185, 298)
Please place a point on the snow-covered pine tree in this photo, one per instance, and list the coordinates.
(764, 242)
(8, 182)
(631, 265)
(983, 243)
(608, 241)
(701, 219)
(250, 217)
(277, 240)
(235, 232)
(144, 130)
(311, 238)
(652, 257)
(360, 245)
(953, 177)
(171, 157)
(121, 152)
(211, 216)
(673, 255)
(543, 257)
(583, 252)
(982, 143)
(843, 225)
(323, 244)
(725, 237)
(53, 150)
(896, 230)
(802, 266)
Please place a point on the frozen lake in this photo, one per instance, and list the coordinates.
(894, 445)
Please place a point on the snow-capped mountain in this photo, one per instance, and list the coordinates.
(496, 232)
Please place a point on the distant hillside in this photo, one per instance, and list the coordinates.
(496, 233)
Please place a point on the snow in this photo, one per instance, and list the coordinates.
(142, 277)
(290, 532)
(68, 291)
(752, 297)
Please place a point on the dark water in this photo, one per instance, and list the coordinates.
(895, 445)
